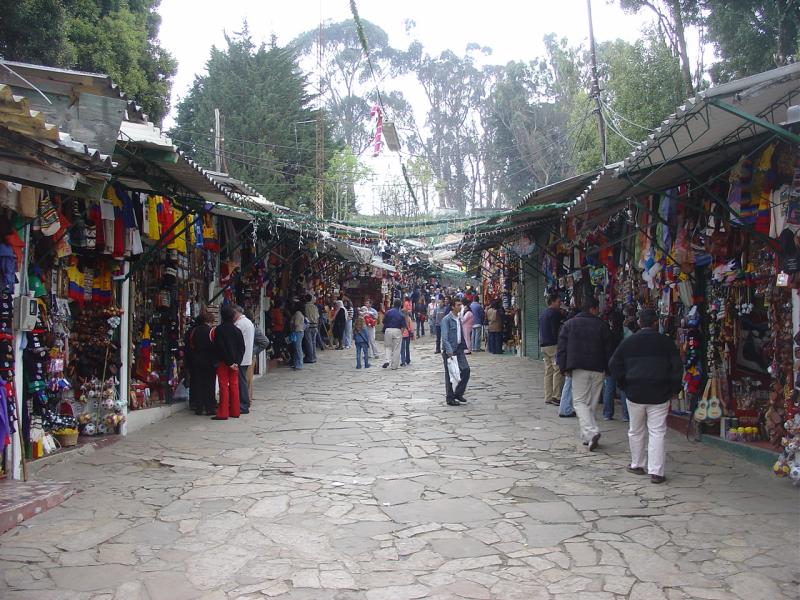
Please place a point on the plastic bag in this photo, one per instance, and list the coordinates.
(454, 370)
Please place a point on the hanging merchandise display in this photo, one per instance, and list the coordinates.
(181, 247)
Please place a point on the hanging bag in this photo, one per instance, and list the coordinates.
(454, 370)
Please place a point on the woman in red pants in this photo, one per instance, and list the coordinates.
(228, 350)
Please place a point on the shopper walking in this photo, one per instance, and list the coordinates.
(348, 324)
(312, 316)
(441, 310)
(229, 349)
(467, 319)
(339, 324)
(478, 321)
(297, 334)
(494, 318)
(260, 343)
(248, 330)
(422, 315)
(200, 364)
(453, 345)
(405, 344)
(371, 321)
(610, 387)
(549, 325)
(393, 323)
(361, 340)
(584, 347)
(647, 365)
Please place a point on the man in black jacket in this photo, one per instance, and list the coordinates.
(647, 365)
(584, 347)
(549, 325)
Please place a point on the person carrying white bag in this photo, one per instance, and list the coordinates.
(453, 347)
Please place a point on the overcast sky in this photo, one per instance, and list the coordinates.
(514, 29)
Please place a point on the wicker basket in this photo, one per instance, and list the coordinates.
(67, 439)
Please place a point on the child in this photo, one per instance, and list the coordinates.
(361, 339)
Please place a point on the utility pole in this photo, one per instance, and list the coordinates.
(217, 142)
(319, 204)
(601, 126)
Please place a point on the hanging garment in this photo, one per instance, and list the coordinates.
(143, 366)
(8, 267)
(76, 280)
(153, 229)
(210, 237)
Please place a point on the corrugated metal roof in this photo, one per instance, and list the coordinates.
(88, 81)
(698, 126)
(17, 116)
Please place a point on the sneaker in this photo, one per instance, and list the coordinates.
(608, 418)
(636, 470)
(462, 400)
(358, 366)
(385, 365)
(553, 402)
(594, 443)
(366, 366)
(657, 479)
(572, 414)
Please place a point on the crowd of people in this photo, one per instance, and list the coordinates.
(222, 357)
(589, 359)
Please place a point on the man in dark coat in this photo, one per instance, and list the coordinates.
(647, 365)
(584, 347)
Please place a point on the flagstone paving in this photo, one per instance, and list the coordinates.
(347, 484)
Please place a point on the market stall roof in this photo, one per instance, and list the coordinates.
(560, 191)
(349, 252)
(719, 116)
(33, 150)
(378, 263)
(68, 82)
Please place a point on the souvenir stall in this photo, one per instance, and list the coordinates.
(169, 283)
(77, 253)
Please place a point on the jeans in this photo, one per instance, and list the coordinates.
(438, 339)
(405, 351)
(320, 340)
(463, 366)
(653, 417)
(298, 350)
(420, 328)
(587, 387)
(348, 333)
(311, 343)
(362, 349)
(565, 408)
(495, 342)
(609, 389)
(476, 337)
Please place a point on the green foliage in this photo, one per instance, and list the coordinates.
(115, 37)
(269, 127)
(35, 31)
(344, 172)
(751, 37)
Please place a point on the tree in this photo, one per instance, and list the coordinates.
(750, 37)
(268, 123)
(116, 37)
(674, 16)
(35, 31)
(344, 173)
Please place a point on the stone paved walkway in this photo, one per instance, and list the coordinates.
(362, 485)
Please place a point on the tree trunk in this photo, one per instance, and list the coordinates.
(680, 36)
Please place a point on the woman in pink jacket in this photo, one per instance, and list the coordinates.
(466, 324)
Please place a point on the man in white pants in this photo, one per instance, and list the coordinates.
(393, 323)
(584, 347)
(647, 366)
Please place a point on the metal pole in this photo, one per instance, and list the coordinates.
(217, 142)
(601, 126)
